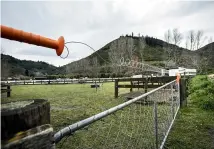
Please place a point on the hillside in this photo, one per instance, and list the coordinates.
(12, 67)
(144, 49)
(104, 62)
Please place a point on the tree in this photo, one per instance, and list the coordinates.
(196, 39)
(130, 48)
(95, 67)
(186, 44)
(168, 36)
(116, 52)
(26, 72)
(199, 36)
(176, 36)
(5, 68)
(141, 48)
(176, 40)
(192, 38)
(168, 48)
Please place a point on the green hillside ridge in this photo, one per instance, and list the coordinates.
(11, 67)
(148, 50)
(100, 63)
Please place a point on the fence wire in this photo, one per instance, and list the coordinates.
(144, 123)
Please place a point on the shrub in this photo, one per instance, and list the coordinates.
(201, 92)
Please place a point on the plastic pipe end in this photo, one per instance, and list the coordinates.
(61, 43)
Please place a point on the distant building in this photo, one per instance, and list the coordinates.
(182, 71)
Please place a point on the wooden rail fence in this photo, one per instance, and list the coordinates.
(5, 88)
(62, 81)
(150, 82)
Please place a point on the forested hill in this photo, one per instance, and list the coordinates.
(147, 49)
(11, 66)
(144, 49)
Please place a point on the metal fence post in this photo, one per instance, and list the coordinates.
(172, 98)
(155, 124)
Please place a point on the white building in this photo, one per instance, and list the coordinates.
(182, 71)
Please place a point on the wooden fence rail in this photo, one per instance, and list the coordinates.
(6, 89)
(62, 81)
(150, 82)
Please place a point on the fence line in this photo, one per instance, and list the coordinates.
(62, 81)
(138, 123)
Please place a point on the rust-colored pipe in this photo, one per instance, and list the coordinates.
(19, 35)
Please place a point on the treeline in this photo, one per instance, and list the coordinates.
(11, 67)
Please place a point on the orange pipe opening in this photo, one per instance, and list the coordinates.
(19, 35)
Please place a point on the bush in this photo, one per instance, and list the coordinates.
(201, 92)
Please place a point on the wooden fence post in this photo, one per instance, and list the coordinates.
(138, 84)
(183, 92)
(8, 90)
(131, 89)
(146, 85)
(116, 88)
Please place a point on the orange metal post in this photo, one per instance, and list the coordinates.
(19, 35)
(178, 77)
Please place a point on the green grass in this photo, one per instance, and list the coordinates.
(73, 102)
(193, 129)
(194, 126)
(131, 127)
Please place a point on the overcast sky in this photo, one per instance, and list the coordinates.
(97, 23)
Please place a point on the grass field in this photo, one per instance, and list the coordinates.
(131, 127)
(74, 102)
(194, 127)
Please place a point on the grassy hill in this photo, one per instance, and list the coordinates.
(103, 62)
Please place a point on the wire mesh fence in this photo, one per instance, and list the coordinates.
(142, 122)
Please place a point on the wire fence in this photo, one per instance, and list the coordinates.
(142, 122)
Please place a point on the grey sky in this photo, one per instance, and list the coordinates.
(98, 22)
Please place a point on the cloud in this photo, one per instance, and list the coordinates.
(98, 22)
